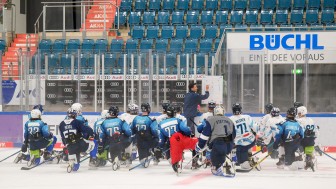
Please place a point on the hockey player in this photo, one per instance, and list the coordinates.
(245, 129)
(290, 133)
(168, 127)
(178, 112)
(201, 125)
(72, 131)
(219, 134)
(102, 157)
(262, 123)
(78, 108)
(116, 134)
(37, 136)
(164, 113)
(310, 132)
(146, 133)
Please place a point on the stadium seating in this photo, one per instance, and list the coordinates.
(177, 17)
(146, 44)
(222, 17)
(88, 45)
(175, 46)
(120, 18)
(210, 31)
(269, 4)
(181, 32)
(327, 16)
(206, 17)
(284, 4)
(137, 32)
(131, 45)
(148, 18)
(163, 18)
(296, 16)
(312, 16)
(161, 45)
(134, 18)
(168, 5)
(167, 32)
(254, 4)
(241, 28)
(192, 17)
(205, 45)
(196, 32)
(281, 16)
(266, 16)
(191, 45)
(152, 32)
(59, 46)
(211, 4)
(73, 45)
(328, 4)
(313, 4)
(140, 5)
(251, 17)
(197, 4)
(240, 4)
(236, 17)
(299, 4)
(117, 45)
(182, 5)
(45, 45)
(154, 5)
(101, 46)
(225, 4)
(126, 5)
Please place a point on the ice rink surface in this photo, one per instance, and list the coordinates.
(54, 176)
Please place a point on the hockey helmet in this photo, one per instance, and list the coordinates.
(268, 107)
(211, 104)
(236, 109)
(170, 111)
(72, 113)
(297, 104)
(165, 107)
(275, 111)
(113, 111)
(39, 107)
(302, 110)
(77, 107)
(219, 110)
(35, 114)
(104, 114)
(145, 107)
(291, 112)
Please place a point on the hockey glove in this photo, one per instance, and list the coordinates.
(24, 147)
(198, 149)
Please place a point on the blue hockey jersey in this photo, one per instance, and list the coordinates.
(36, 129)
(72, 129)
(113, 126)
(170, 126)
(143, 123)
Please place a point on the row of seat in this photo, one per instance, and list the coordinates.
(143, 5)
(265, 16)
(2, 45)
(114, 63)
(179, 32)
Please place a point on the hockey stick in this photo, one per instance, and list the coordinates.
(326, 154)
(29, 168)
(148, 160)
(268, 146)
(11, 155)
(197, 154)
(254, 166)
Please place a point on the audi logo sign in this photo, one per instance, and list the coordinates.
(162, 90)
(134, 101)
(51, 84)
(83, 84)
(145, 96)
(179, 95)
(114, 95)
(165, 101)
(51, 95)
(180, 84)
(114, 84)
(68, 101)
(84, 96)
(68, 90)
(145, 84)
(130, 90)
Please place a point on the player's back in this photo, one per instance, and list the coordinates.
(243, 127)
(169, 126)
(221, 127)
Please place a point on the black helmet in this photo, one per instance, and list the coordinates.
(177, 107)
(211, 104)
(170, 111)
(297, 104)
(114, 110)
(275, 112)
(291, 112)
(236, 109)
(165, 107)
(145, 107)
(268, 107)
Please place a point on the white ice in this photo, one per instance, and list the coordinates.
(54, 176)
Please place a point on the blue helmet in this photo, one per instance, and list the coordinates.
(39, 107)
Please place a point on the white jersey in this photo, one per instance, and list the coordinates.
(263, 121)
(128, 118)
(244, 125)
(308, 126)
(161, 118)
(123, 116)
(181, 117)
(271, 128)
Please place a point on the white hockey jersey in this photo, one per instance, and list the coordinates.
(244, 125)
(308, 126)
(271, 128)
(161, 118)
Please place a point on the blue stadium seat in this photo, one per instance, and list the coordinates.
(314, 4)
(301, 27)
(182, 5)
(266, 16)
(191, 45)
(195, 32)
(170, 64)
(255, 27)
(227, 28)
(148, 18)
(217, 41)
(152, 32)
(163, 18)
(110, 62)
(73, 45)
(316, 27)
(286, 27)
(197, 4)
(86, 63)
(137, 32)
(328, 4)
(240, 4)
(3, 45)
(168, 5)
(225, 4)
(200, 63)
(100, 46)
(296, 16)
(161, 45)
(284, 4)
(140, 5)
(205, 45)
(154, 5)
(65, 63)
(269, 4)
(251, 17)
(117, 45)
(183, 63)
(236, 17)
(176, 45)
(281, 16)
(312, 16)
(299, 4)
(211, 4)
(327, 16)
(241, 28)
(177, 17)
(181, 32)
(192, 17)
(167, 32)
(122, 16)
(54, 64)
(331, 26)
(45, 46)
(222, 17)
(271, 27)
(126, 5)
(210, 31)
(254, 4)
(134, 18)
(131, 45)
(59, 46)
(87, 45)
(146, 44)
(206, 17)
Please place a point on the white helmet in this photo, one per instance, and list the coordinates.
(133, 108)
(219, 110)
(302, 110)
(77, 107)
(104, 114)
(35, 114)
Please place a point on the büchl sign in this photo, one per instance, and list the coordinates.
(281, 48)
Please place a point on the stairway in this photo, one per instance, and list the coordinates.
(10, 67)
(95, 17)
